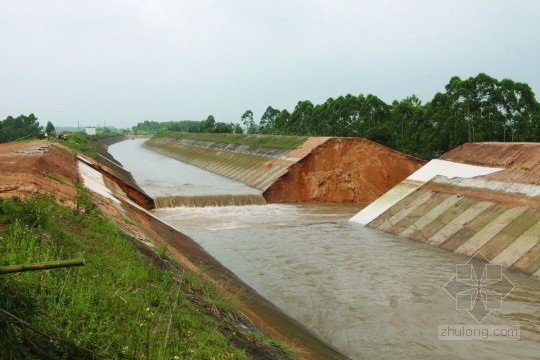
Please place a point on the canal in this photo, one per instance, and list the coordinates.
(368, 293)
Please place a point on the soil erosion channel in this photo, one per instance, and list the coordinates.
(368, 293)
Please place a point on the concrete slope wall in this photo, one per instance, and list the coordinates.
(490, 213)
(255, 170)
(349, 170)
(480, 218)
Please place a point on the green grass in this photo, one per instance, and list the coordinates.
(256, 140)
(58, 178)
(119, 306)
(82, 143)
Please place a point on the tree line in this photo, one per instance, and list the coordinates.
(20, 127)
(477, 109)
(480, 108)
(209, 125)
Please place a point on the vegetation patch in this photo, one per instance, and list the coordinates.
(58, 178)
(255, 140)
(119, 306)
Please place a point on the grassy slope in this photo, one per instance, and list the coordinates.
(208, 324)
(267, 141)
(120, 305)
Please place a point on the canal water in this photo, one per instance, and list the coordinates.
(368, 293)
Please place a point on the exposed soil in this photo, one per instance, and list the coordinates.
(307, 147)
(324, 169)
(345, 170)
(37, 167)
(521, 161)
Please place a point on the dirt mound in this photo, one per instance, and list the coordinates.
(346, 170)
(521, 161)
(30, 168)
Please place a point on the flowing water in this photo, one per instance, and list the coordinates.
(172, 183)
(368, 293)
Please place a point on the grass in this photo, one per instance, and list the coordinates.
(119, 306)
(82, 143)
(58, 178)
(256, 140)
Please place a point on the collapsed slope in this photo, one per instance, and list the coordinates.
(345, 170)
(349, 170)
(520, 161)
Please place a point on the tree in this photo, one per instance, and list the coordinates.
(268, 120)
(49, 129)
(222, 127)
(238, 129)
(249, 123)
(21, 127)
(208, 125)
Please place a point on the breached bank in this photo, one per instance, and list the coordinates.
(323, 169)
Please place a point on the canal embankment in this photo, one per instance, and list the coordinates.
(480, 200)
(321, 169)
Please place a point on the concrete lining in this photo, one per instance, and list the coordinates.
(430, 216)
(519, 247)
(455, 225)
(93, 180)
(486, 234)
(400, 215)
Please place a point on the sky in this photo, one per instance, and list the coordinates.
(119, 62)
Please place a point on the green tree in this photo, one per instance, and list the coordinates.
(268, 120)
(222, 127)
(49, 129)
(208, 125)
(21, 127)
(238, 129)
(249, 123)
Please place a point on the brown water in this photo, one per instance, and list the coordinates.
(368, 293)
(172, 183)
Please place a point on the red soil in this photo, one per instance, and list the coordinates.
(346, 170)
(37, 167)
(521, 161)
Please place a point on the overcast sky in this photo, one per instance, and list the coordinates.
(120, 62)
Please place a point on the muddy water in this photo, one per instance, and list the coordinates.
(161, 176)
(370, 294)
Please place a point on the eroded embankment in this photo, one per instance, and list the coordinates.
(520, 161)
(256, 167)
(489, 213)
(348, 170)
(345, 170)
